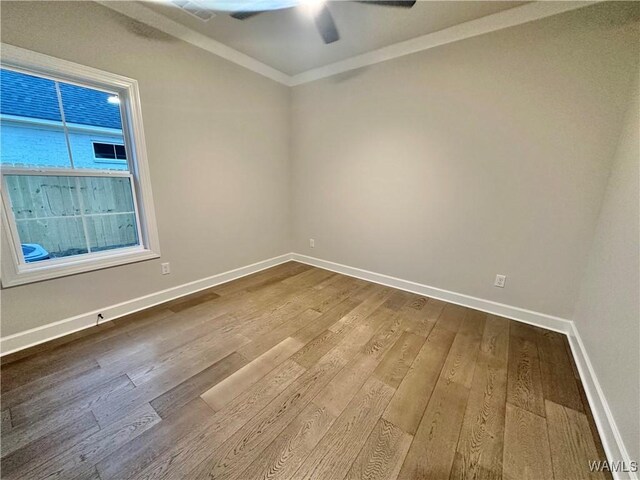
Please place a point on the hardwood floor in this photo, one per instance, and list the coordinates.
(297, 372)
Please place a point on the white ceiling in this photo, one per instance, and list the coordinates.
(288, 41)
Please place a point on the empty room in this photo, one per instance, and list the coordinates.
(320, 239)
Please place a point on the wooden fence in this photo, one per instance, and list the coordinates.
(72, 215)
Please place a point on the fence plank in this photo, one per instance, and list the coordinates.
(48, 212)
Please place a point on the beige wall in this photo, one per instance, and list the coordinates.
(217, 137)
(608, 311)
(488, 155)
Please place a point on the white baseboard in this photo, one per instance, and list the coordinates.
(35, 336)
(542, 320)
(609, 434)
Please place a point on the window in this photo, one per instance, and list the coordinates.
(76, 194)
(109, 151)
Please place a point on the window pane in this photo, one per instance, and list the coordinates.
(31, 132)
(107, 232)
(47, 238)
(93, 117)
(60, 216)
(104, 150)
(103, 195)
(121, 153)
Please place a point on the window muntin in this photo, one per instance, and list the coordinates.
(113, 230)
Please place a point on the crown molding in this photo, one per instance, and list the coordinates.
(141, 13)
(490, 23)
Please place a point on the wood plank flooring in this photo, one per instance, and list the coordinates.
(298, 373)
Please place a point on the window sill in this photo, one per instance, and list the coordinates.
(114, 161)
(36, 272)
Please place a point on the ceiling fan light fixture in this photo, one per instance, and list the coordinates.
(312, 7)
(318, 10)
(244, 5)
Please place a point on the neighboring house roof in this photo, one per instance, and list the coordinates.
(34, 97)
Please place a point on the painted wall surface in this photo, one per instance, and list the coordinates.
(608, 311)
(481, 157)
(217, 137)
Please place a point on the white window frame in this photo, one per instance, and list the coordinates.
(15, 271)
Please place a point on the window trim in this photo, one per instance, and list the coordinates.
(14, 270)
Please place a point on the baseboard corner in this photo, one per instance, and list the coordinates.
(531, 317)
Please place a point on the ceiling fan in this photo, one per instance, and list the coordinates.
(243, 9)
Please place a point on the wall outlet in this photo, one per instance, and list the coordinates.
(165, 268)
(500, 281)
(312, 243)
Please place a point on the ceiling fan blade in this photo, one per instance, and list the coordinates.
(390, 3)
(326, 26)
(243, 15)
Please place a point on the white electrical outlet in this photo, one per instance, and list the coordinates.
(165, 268)
(312, 243)
(500, 281)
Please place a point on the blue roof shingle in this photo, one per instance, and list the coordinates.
(35, 97)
